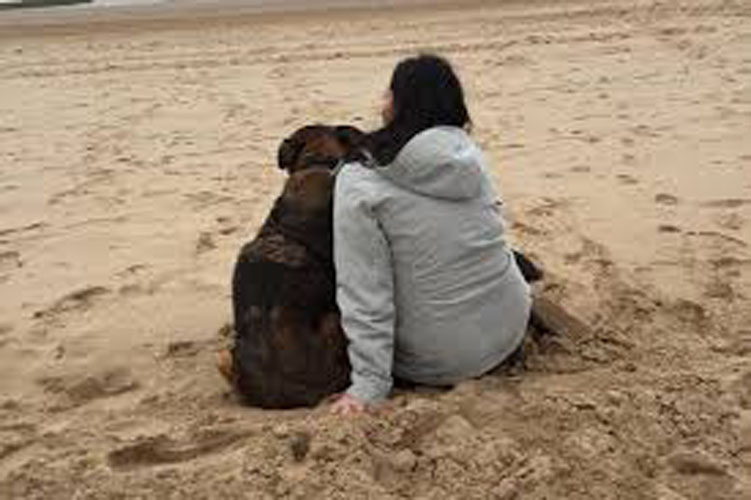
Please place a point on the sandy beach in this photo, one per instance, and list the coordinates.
(137, 155)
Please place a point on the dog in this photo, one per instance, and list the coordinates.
(289, 349)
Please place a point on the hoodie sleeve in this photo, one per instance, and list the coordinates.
(364, 287)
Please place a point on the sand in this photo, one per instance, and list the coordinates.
(138, 156)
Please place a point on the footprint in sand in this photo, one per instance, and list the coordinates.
(227, 226)
(73, 391)
(164, 450)
(130, 288)
(743, 430)
(183, 349)
(739, 345)
(697, 469)
(690, 463)
(22, 229)
(628, 159)
(719, 289)
(729, 262)
(5, 329)
(132, 270)
(206, 199)
(528, 230)
(719, 238)
(135, 290)
(205, 243)
(733, 221)
(666, 199)
(668, 229)
(207, 239)
(727, 203)
(626, 179)
(644, 131)
(552, 175)
(80, 300)
(689, 312)
(10, 260)
(15, 437)
(741, 388)
(547, 208)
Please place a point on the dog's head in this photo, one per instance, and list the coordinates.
(318, 146)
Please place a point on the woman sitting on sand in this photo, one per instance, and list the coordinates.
(428, 289)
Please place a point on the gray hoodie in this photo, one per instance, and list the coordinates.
(427, 287)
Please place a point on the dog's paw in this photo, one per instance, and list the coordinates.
(224, 364)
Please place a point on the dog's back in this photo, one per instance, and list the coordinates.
(289, 348)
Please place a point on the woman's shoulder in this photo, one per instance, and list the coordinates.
(360, 184)
(358, 174)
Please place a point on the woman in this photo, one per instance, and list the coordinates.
(428, 289)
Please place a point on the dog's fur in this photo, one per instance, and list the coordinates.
(289, 348)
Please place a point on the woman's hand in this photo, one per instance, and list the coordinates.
(348, 405)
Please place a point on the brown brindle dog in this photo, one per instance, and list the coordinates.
(289, 349)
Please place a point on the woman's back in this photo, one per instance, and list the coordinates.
(427, 288)
(461, 303)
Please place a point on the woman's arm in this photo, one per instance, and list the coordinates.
(364, 288)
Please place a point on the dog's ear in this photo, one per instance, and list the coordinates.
(288, 153)
(352, 141)
(349, 137)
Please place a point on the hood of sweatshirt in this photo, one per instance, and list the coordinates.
(441, 162)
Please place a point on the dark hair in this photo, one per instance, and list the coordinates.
(426, 93)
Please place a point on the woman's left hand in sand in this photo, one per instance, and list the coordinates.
(348, 405)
